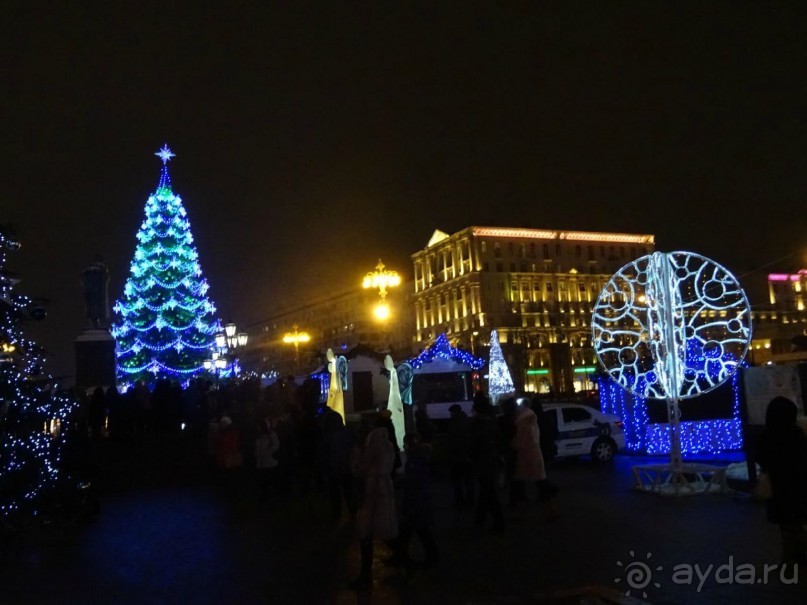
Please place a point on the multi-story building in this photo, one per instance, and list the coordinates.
(339, 322)
(781, 325)
(537, 287)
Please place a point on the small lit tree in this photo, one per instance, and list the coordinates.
(499, 381)
(33, 414)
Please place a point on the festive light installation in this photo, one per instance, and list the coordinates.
(166, 324)
(671, 326)
(33, 413)
(500, 382)
(697, 437)
(442, 349)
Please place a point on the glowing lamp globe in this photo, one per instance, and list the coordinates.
(230, 329)
(241, 339)
(382, 311)
(221, 340)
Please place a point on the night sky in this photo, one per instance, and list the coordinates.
(314, 138)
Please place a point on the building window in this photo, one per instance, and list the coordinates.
(499, 266)
(512, 267)
(485, 266)
(497, 250)
(591, 253)
(532, 250)
(578, 251)
(546, 250)
(510, 249)
(557, 250)
(523, 250)
(484, 247)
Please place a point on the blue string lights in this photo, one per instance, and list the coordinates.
(697, 437)
(165, 324)
(33, 414)
(442, 349)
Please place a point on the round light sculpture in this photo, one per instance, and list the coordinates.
(671, 325)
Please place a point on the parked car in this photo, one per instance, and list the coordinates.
(585, 431)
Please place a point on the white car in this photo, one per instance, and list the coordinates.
(585, 431)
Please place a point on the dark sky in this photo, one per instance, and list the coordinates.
(314, 138)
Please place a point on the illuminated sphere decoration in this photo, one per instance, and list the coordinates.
(671, 325)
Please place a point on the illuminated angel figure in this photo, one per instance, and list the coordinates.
(671, 325)
(394, 403)
(336, 397)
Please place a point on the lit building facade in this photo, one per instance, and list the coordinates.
(536, 287)
(782, 320)
(340, 322)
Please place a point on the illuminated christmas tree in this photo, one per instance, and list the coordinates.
(32, 411)
(165, 324)
(499, 381)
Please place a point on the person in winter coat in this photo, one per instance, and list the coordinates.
(529, 459)
(266, 445)
(227, 452)
(458, 445)
(486, 457)
(376, 518)
(783, 457)
(416, 513)
(507, 429)
(337, 443)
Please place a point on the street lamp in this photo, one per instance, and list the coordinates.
(296, 338)
(225, 342)
(382, 279)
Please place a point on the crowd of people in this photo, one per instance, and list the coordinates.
(281, 440)
(285, 439)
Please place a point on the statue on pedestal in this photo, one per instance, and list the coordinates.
(94, 282)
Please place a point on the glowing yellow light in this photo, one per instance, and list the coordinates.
(624, 238)
(296, 337)
(382, 311)
(382, 279)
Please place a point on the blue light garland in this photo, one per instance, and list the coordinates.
(442, 349)
(697, 437)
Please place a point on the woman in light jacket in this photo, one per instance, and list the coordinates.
(376, 518)
(530, 460)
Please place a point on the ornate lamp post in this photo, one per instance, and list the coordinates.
(296, 338)
(382, 279)
(226, 342)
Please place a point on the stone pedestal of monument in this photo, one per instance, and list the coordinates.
(95, 359)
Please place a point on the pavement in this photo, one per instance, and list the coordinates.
(168, 534)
